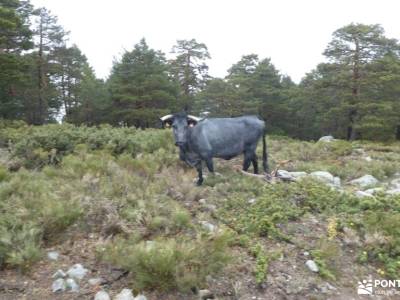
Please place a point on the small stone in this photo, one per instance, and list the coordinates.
(202, 201)
(368, 158)
(393, 191)
(284, 175)
(72, 285)
(306, 253)
(53, 255)
(208, 226)
(58, 285)
(205, 294)
(77, 271)
(150, 245)
(211, 207)
(140, 297)
(374, 190)
(330, 286)
(95, 281)
(252, 201)
(312, 266)
(126, 294)
(327, 138)
(298, 174)
(364, 181)
(102, 295)
(362, 194)
(59, 274)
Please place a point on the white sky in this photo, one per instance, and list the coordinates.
(293, 33)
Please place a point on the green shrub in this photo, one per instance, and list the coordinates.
(167, 264)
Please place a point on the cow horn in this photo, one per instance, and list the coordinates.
(166, 117)
(197, 119)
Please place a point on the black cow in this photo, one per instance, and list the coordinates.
(202, 139)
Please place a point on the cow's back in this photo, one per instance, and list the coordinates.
(227, 137)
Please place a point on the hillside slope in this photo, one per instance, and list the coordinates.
(119, 202)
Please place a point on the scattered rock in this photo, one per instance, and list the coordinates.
(208, 226)
(284, 175)
(77, 271)
(202, 201)
(364, 181)
(71, 285)
(102, 295)
(306, 253)
(140, 297)
(312, 266)
(395, 183)
(252, 201)
(59, 274)
(126, 294)
(327, 138)
(393, 191)
(211, 207)
(150, 245)
(368, 158)
(327, 178)
(362, 194)
(298, 174)
(205, 294)
(58, 285)
(95, 281)
(53, 255)
(374, 190)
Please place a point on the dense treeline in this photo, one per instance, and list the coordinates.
(354, 95)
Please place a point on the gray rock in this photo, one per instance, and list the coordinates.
(306, 253)
(368, 158)
(126, 294)
(71, 285)
(95, 281)
(77, 271)
(140, 297)
(312, 266)
(252, 201)
(326, 178)
(53, 255)
(150, 245)
(298, 174)
(362, 194)
(59, 274)
(208, 226)
(58, 285)
(395, 183)
(374, 190)
(364, 181)
(205, 294)
(202, 201)
(102, 295)
(327, 138)
(284, 175)
(393, 191)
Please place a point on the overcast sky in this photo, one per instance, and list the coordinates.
(293, 33)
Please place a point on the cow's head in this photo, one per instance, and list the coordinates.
(181, 124)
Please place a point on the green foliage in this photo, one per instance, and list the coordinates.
(167, 264)
(140, 88)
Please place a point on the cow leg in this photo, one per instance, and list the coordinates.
(199, 168)
(210, 164)
(247, 161)
(254, 160)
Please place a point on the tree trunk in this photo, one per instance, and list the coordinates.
(351, 133)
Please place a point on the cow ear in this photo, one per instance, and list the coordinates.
(192, 120)
(167, 121)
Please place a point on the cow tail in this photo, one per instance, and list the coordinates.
(264, 154)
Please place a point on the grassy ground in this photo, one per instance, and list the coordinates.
(118, 200)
